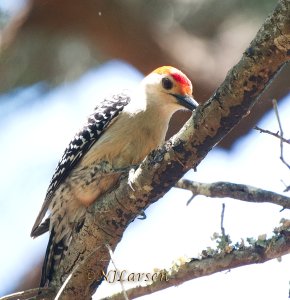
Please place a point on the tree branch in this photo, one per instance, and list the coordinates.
(125, 296)
(281, 134)
(275, 134)
(36, 294)
(218, 260)
(242, 192)
(108, 218)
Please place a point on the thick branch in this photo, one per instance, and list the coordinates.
(239, 255)
(107, 219)
(233, 190)
(38, 293)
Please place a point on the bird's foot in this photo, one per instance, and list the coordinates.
(142, 216)
(131, 178)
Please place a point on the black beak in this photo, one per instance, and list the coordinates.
(186, 101)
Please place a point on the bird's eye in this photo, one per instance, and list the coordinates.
(167, 83)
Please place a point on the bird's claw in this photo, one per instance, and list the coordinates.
(142, 216)
(131, 178)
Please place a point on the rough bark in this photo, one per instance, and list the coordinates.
(108, 218)
(232, 256)
(242, 192)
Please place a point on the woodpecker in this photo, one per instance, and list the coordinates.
(119, 134)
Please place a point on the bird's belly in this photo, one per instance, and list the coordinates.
(113, 154)
(123, 145)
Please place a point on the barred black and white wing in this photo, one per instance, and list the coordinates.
(96, 124)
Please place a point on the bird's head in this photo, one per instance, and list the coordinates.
(169, 86)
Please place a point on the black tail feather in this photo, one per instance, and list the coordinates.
(40, 229)
(53, 255)
(47, 263)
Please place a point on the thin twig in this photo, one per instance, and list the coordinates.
(60, 291)
(274, 101)
(190, 199)
(277, 135)
(281, 133)
(287, 187)
(222, 220)
(115, 266)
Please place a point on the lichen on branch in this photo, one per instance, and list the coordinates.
(220, 259)
(108, 218)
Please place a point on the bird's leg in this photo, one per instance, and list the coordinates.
(130, 170)
(131, 178)
(105, 167)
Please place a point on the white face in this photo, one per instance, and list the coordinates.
(163, 89)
